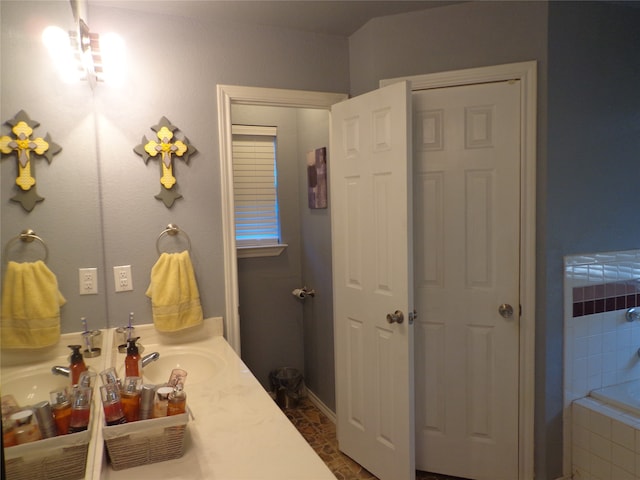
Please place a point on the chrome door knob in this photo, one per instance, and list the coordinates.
(396, 317)
(505, 310)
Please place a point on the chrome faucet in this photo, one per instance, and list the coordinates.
(151, 357)
(66, 371)
(58, 370)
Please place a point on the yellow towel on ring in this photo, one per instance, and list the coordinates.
(175, 299)
(31, 305)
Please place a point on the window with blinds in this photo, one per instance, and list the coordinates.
(255, 185)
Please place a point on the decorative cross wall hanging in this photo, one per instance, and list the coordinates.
(166, 148)
(24, 148)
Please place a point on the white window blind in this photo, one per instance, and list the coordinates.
(255, 184)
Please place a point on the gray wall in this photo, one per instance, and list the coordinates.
(276, 328)
(100, 208)
(465, 36)
(270, 317)
(588, 62)
(69, 219)
(593, 164)
(588, 73)
(313, 133)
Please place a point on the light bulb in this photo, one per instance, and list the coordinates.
(57, 42)
(113, 52)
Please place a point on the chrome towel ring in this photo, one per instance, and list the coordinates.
(172, 229)
(27, 236)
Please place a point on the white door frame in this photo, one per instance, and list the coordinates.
(228, 94)
(526, 73)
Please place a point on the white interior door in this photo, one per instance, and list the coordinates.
(371, 240)
(467, 224)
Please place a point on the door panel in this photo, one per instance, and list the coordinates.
(372, 243)
(467, 222)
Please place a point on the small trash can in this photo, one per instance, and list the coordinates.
(288, 386)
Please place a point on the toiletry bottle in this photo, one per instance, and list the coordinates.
(130, 398)
(161, 403)
(44, 416)
(112, 404)
(77, 363)
(61, 406)
(177, 398)
(80, 410)
(146, 401)
(133, 361)
(8, 434)
(25, 427)
(177, 402)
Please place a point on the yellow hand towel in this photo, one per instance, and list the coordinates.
(175, 300)
(30, 306)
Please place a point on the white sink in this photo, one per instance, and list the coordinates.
(32, 385)
(200, 364)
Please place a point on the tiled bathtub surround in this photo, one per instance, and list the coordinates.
(600, 346)
(605, 297)
(606, 442)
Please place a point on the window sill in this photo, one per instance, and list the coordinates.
(261, 251)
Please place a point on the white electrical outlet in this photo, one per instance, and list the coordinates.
(122, 278)
(88, 279)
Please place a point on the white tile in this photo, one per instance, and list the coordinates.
(580, 436)
(623, 458)
(579, 387)
(581, 458)
(580, 415)
(594, 364)
(609, 362)
(608, 341)
(600, 424)
(580, 368)
(600, 468)
(581, 474)
(638, 449)
(609, 378)
(600, 446)
(623, 338)
(623, 434)
(610, 322)
(581, 347)
(595, 324)
(618, 473)
(594, 345)
(581, 327)
(594, 382)
(596, 273)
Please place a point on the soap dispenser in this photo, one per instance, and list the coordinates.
(77, 363)
(133, 361)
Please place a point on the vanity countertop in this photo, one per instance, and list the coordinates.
(238, 432)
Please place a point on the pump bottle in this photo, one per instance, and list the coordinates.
(133, 361)
(77, 363)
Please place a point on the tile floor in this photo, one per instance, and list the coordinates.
(320, 432)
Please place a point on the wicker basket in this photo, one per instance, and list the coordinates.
(146, 441)
(62, 457)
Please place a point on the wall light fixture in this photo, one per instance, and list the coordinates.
(84, 55)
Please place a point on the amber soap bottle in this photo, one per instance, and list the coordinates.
(77, 363)
(133, 361)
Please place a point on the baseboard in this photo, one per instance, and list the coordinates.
(321, 406)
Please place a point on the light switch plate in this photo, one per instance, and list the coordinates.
(122, 278)
(88, 280)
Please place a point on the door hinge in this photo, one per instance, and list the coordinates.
(412, 316)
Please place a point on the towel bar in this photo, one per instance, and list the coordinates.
(172, 229)
(27, 236)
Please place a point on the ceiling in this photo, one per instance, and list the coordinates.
(321, 16)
